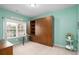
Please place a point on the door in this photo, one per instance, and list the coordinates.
(44, 31)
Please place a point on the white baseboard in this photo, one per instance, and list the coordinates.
(78, 53)
(59, 45)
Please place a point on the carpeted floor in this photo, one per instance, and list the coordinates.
(32, 48)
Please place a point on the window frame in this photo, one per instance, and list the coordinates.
(14, 21)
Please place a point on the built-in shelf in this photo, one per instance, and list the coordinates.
(32, 27)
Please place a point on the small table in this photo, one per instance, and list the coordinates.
(6, 48)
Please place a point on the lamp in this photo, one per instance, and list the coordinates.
(33, 5)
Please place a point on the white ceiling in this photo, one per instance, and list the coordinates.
(26, 10)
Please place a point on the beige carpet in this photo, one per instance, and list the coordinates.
(32, 48)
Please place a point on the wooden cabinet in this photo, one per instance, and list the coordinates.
(42, 30)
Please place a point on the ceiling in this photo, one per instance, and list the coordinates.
(26, 10)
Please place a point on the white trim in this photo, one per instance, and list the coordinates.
(78, 53)
(59, 45)
(4, 28)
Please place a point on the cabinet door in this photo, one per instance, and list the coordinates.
(43, 31)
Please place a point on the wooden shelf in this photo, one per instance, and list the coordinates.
(32, 27)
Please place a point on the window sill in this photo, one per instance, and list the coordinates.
(16, 37)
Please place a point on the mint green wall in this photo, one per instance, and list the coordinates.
(6, 13)
(1, 28)
(78, 28)
(65, 21)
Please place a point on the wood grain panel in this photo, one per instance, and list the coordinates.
(6, 51)
(44, 31)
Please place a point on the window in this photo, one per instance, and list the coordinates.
(15, 29)
(21, 29)
(11, 29)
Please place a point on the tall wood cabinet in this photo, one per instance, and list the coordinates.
(42, 30)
